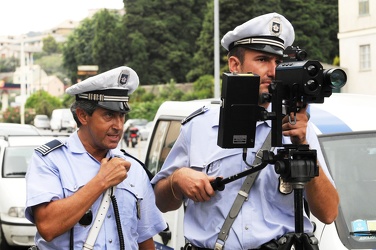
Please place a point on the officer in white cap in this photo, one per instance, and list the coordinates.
(110, 89)
(234, 218)
(84, 192)
(270, 33)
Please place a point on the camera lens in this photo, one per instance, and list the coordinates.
(312, 85)
(312, 70)
(335, 78)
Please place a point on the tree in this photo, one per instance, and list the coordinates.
(106, 43)
(165, 34)
(231, 14)
(50, 45)
(94, 42)
(42, 102)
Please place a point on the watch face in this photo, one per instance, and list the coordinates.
(284, 187)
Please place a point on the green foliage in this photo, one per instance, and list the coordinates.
(50, 45)
(13, 115)
(8, 64)
(68, 100)
(43, 103)
(146, 110)
(52, 65)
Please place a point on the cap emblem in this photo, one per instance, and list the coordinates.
(275, 26)
(123, 77)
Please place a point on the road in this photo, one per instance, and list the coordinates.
(138, 151)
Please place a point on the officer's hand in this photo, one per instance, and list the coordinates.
(297, 131)
(113, 171)
(193, 184)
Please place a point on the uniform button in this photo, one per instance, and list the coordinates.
(110, 241)
(246, 227)
(108, 215)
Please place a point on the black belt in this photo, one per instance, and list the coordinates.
(271, 245)
(189, 246)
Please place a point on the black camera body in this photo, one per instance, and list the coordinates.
(305, 81)
(297, 82)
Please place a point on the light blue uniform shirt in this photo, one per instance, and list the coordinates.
(267, 214)
(63, 171)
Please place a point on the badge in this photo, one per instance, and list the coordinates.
(284, 187)
(123, 78)
(275, 27)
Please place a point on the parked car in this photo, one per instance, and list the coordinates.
(15, 155)
(62, 119)
(347, 135)
(145, 131)
(7, 129)
(42, 122)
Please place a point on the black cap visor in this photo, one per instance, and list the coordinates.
(121, 107)
(264, 48)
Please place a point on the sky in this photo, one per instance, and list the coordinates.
(18, 17)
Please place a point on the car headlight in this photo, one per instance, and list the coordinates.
(17, 212)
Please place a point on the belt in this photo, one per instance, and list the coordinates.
(189, 246)
(271, 245)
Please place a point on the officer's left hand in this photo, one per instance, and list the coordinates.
(297, 131)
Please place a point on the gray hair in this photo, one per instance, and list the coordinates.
(88, 106)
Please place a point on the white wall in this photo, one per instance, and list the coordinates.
(354, 31)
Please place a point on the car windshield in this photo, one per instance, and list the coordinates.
(16, 161)
(351, 158)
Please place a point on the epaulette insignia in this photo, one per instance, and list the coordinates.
(194, 114)
(49, 146)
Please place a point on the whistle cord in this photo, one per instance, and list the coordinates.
(118, 222)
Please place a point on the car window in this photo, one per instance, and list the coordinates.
(166, 133)
(351, 158)
(16, 161)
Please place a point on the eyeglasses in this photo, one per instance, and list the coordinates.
(87, 218)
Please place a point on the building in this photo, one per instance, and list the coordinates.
(357, 44)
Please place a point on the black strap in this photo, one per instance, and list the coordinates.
(150, 175)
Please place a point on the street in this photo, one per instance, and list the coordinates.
(138, 151)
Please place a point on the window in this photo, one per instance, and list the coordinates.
(166, 133)
(363, 7)
(365, 57)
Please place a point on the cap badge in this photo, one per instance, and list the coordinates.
(275, 26)
(123, 77)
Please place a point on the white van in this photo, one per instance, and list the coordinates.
(346, 127)
(62, 119)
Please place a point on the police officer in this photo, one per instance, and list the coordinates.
(195, 160)
(67, 181)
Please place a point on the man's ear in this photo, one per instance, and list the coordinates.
(82, 115)
(234, 64)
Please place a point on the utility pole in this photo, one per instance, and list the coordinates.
(23, 81)
(216, 50)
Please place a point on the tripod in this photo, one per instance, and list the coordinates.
(296, 164)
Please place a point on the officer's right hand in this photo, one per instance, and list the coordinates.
(113, 171)
(193, 184)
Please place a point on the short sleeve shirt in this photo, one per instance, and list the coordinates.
(267, 213)
(63, 171)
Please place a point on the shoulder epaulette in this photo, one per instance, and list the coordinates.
(194, 114)
(49, 146)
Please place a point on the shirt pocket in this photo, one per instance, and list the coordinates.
(129, 205)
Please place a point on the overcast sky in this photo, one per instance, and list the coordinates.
(21, 16)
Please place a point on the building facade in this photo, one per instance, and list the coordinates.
(357, 44)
